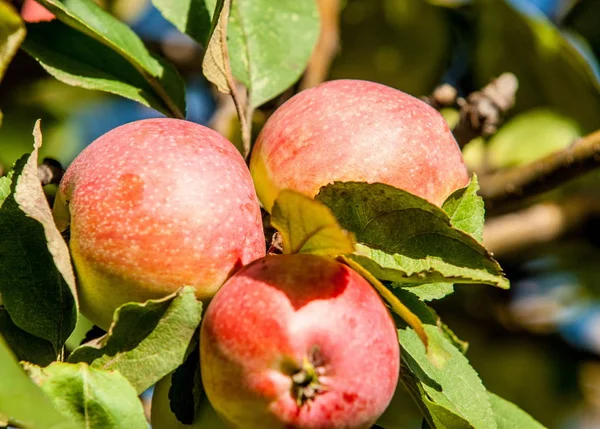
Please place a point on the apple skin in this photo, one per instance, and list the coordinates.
(265, 325)
(155, 205)
(162, 417)
(356, 131)
(34, 12)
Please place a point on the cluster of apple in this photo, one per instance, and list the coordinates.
(296, 341)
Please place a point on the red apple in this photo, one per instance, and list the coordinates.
(155, 205)
(32, 11)
(352, 130)
(298, 341)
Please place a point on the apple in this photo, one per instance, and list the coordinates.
(162, 417)
(155, 205)
(298, 341)
(33, 12)
(353, 130)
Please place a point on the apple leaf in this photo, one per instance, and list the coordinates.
(509, 416)
(270, 44)
(427, 291)
(25, 346)
(89, 396)
(466, 210)
(455, 388)
(307, 226)
(100, 52)
(12, 33)
(157, 332)
(186, 389)
(191, 17)
(22, 403)
(38, 284)
(404, 238)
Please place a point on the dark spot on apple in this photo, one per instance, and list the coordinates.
(349, 397)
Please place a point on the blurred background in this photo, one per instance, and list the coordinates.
(538, 344)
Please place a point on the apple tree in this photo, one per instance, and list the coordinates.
(368, 203)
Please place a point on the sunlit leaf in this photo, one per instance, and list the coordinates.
(308, 226)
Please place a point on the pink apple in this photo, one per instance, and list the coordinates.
(352, 130)
(155, 205)
(32, 11)
(298, 341)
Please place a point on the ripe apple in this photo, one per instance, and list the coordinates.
(162, 417)
(32, 11)
(155, 205)
(298, 341)
(352, 130)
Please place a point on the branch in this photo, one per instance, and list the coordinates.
(538, 224)
(483, 111)
(444, 95)
(521, 182)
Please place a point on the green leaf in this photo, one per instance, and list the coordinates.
(38, 284)
(405, 44)
(455, 387)
(191, 17)
(22, 403)
(270, 43)
(443, 418)
(91, 397)
(530, 136)
(552, 71)
(404, 238)
(427, 291)
(25, 346)
(163, 417)
(157, 332)
(12, 33)
(466, 210)
(186, 389)
(157, 83)
(509, 416)
(307, 226)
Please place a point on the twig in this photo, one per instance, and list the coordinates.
(50, 172)
(521, 182)
(327, 45)
(444, 95)
(540, 223)
(482, 111)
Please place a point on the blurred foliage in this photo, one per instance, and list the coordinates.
(405, 44)
(516, 37)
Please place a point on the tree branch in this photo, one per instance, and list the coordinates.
(483, 111)
(538, 224)
(521, 182)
